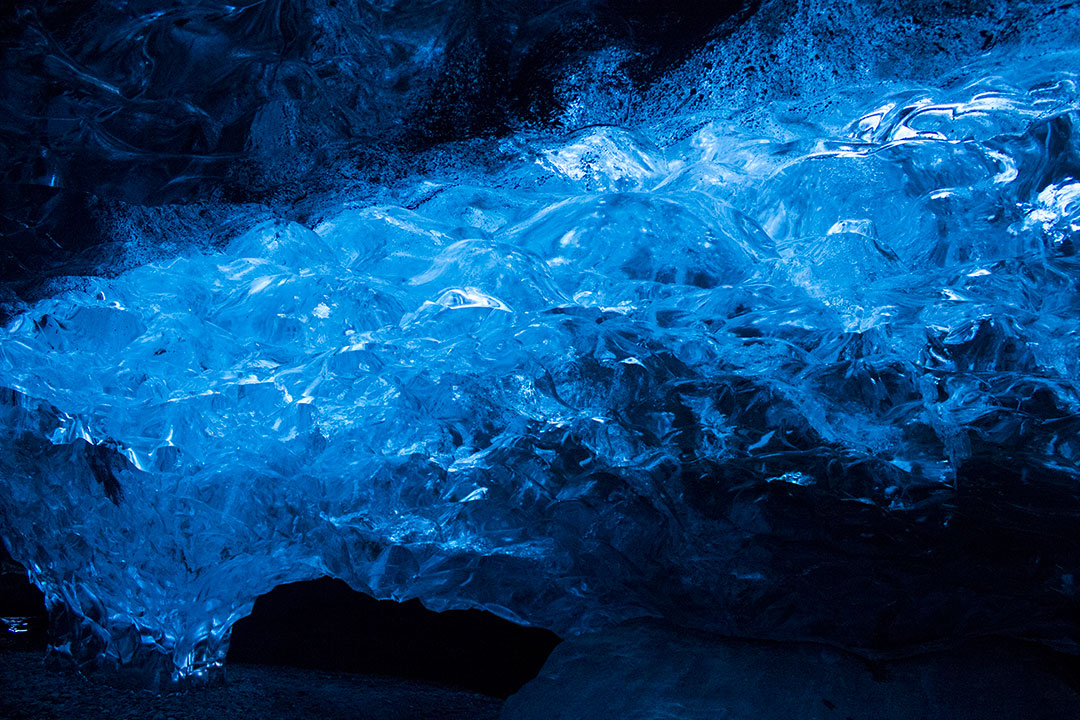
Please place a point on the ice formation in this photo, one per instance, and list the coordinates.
(643, 669)
(780, 344)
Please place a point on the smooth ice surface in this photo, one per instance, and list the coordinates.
(645, 670)
(784, 345)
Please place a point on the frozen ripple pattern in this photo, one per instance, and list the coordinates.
(815, 385)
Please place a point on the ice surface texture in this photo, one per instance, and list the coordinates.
(786, 350)
(644, 670)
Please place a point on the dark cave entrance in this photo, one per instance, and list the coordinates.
(23, 620)
(324, 624)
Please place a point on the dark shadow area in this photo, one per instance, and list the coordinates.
(324, 624)
(23, 620)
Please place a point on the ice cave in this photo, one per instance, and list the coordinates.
(721, 340)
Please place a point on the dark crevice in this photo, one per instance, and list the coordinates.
(324, 624)
(23, 619)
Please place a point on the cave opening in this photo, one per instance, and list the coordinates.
(23, 620)
(324, 624)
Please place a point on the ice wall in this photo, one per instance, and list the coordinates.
(784, 347)
(645, 670)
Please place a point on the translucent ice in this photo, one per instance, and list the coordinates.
(748, 370)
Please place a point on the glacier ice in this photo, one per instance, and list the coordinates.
(645, 669)
(749, 371)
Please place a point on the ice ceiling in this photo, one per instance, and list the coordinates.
(763, 322)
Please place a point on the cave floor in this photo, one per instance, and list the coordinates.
(28, 690)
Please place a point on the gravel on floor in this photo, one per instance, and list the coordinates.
(256, 692)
